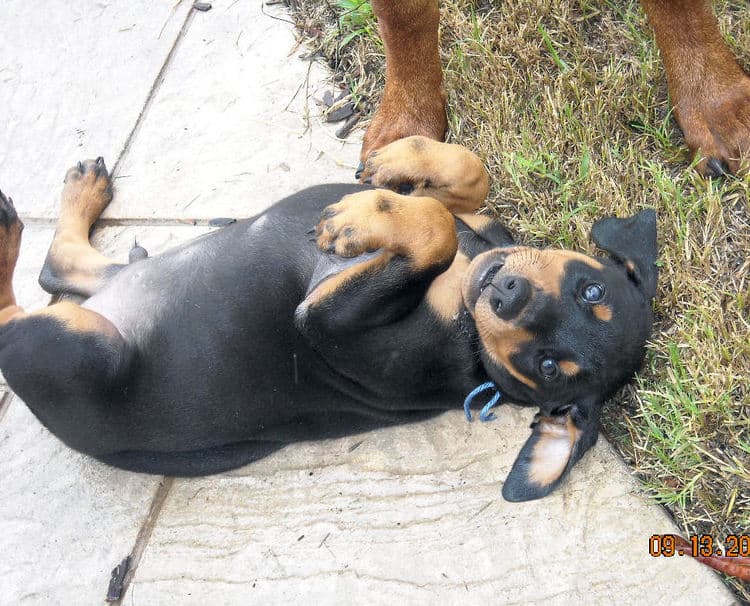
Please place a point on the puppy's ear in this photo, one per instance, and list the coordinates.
(632, 242)
(555, 445)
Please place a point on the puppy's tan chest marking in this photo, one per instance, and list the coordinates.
(444, 295)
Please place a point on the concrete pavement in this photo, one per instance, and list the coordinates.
(213, 114)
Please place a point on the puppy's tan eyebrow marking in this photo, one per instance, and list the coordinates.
(569, 368)
(602, 312)
(546, 269)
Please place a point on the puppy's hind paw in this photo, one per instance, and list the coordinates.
(9, 220)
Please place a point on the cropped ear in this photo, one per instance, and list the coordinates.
(632, 242)
(555, 445)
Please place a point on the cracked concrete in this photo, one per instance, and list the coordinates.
(213, 114)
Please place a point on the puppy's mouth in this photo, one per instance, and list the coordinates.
(482, 273)
(485, 279)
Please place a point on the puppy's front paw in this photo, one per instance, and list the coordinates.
(419, 166)
(402, 166)
(346, 228)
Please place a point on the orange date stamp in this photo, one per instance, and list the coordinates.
(699, 545)
(730, 556)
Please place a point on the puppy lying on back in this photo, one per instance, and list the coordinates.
(390, 310)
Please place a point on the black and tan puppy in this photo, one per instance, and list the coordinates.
(225, 348)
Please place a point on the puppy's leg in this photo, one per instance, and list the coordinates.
(10, 243)
(63, 360)
(709, 90)
(385, 249)
(423, 167)
(413, 102)
(72, 264)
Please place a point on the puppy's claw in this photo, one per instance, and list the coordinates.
(360, 170)
(716, 168)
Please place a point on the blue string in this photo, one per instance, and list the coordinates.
(485, 415)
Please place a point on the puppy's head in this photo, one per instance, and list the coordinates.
(563, 331)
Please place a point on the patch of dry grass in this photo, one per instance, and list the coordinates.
(566, 101)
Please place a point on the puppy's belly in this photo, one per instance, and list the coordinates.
(140, 296)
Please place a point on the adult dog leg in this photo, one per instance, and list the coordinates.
(413, 102)
(709, 90)
(73, 266)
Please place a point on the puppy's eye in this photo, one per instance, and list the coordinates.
(593, 293)
(549, 369)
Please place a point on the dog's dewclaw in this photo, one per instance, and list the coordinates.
(202, 6)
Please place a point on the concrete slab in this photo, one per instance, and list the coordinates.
(233, 126)
(74, 77)
(413, 515)
(65, 520)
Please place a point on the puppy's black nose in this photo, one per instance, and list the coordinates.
(510, 294)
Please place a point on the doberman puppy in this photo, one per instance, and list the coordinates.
(708, 89)
(225, 348)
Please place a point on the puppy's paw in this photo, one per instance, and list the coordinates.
(10, 230)
(10, 243)
(88, 188)
(352, 226)
(417, 228)
(403, 166)
(422, 167)
(9, 221)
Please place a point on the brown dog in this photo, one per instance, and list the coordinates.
(709, 90)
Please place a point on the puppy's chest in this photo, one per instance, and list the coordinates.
(411, 360)
(444, 295)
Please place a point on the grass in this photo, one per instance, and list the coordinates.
(566, 102)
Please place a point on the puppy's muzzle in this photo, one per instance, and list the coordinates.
(509, 295)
